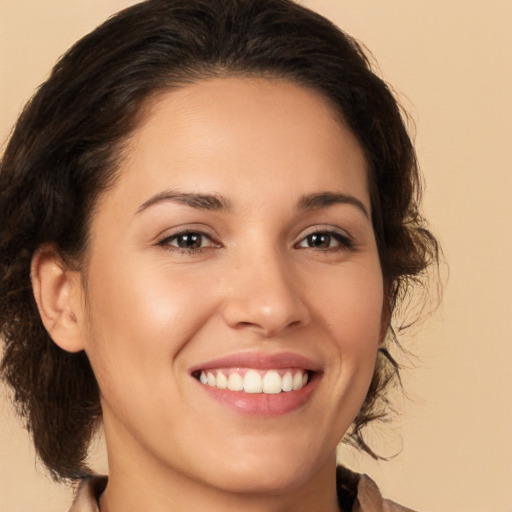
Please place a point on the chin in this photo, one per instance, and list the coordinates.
(271, 471)
(280, 479)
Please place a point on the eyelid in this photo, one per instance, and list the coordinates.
(180, 229)
(325, 228)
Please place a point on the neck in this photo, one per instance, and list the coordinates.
(139, 494)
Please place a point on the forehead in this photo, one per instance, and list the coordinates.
(228, 134)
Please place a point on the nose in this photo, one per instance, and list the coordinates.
(264, 295)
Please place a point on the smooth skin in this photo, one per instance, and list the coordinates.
(259, 266)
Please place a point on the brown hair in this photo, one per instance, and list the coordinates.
(66, 145)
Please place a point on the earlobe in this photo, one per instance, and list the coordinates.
(57, 292)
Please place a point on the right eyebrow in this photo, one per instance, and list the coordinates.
(195, 200)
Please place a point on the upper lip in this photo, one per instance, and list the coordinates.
(258, 360)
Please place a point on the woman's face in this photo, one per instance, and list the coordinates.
(235, 251)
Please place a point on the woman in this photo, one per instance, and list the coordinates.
(209, 213)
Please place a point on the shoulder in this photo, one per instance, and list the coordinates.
(370, 499)
(363, 494)
(88, 493)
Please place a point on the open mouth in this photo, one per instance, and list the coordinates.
(250, 380)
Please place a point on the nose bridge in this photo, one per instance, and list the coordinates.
(263, 293)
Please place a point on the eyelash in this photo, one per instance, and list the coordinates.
(166, 242)
(343, 242)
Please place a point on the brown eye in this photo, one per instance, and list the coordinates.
(325, 240)
(319, 240)
(187, 241)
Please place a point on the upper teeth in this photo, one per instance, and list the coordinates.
(254, 381)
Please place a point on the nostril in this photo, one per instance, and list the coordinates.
(266, 310)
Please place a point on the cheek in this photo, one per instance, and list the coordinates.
(352, 307)
(140, 314)
(351, 312)
(136, 327)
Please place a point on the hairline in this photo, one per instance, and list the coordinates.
(190, 77)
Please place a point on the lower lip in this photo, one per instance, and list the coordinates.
(261, 404)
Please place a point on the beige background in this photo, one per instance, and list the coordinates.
(450, 62)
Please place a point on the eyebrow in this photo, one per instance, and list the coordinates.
(213, 202)
(216, 202)
(324, 199)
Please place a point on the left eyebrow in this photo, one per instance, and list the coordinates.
(198, 201)
(324, 199)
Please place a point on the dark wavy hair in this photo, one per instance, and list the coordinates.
(65, 150)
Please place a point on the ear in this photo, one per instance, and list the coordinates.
(58, 294)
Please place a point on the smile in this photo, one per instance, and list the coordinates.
(258, 384)
(249, 380)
